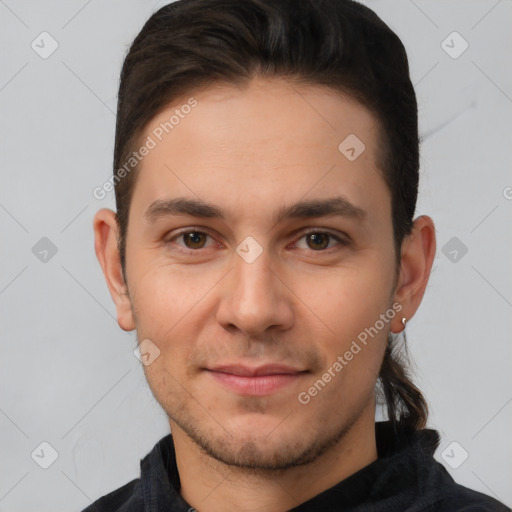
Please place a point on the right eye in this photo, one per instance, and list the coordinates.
(192, 239)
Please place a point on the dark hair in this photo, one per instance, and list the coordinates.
(337, 43)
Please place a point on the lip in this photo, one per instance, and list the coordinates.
(256, 381)
(256, 371)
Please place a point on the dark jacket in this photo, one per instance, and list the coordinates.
(405, 477)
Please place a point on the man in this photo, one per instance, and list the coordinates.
(265, 251)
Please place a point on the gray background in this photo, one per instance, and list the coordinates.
(68, 375)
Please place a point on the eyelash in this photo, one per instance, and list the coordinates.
(339, 239)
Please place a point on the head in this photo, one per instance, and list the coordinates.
(245, 105)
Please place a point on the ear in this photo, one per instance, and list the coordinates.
(418, 252)
(105, 244)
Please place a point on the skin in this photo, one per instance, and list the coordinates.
(300, 302)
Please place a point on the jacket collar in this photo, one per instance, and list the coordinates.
(404, 466)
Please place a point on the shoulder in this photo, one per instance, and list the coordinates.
(458, 498)
(152, 484)
(127, 498)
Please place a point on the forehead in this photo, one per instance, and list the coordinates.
(270, 140)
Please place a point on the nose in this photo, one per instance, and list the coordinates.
(255, 297)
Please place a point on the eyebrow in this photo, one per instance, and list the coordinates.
(335, 206)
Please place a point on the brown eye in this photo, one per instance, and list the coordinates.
(194, 239)
(321, 241)
(317, 240)
(191, 241)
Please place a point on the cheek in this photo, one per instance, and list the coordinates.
(167, 293)
(347, 324)
(169, 304)
(345, 301)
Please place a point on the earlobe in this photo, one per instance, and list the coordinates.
(418, 252)
(105, 246)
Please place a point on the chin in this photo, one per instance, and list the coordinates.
(264, 443)
(257, 453)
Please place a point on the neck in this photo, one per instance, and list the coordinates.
(212, 486)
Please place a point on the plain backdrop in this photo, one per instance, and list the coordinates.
(68, 375)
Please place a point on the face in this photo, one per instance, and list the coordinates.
(252, 300)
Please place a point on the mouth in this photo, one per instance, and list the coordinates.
(256, 381)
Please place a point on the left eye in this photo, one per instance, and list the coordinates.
(319, 240)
